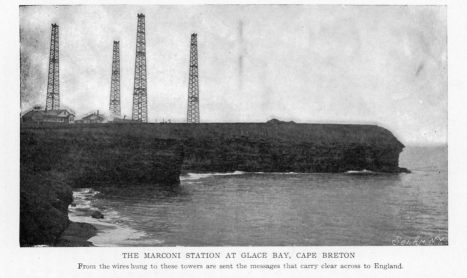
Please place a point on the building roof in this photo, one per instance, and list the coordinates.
(93, 116)
(38, 114)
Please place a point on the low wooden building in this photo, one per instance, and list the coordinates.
(93, 118)
(61, 116)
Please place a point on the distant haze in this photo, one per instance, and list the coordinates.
(340, 64)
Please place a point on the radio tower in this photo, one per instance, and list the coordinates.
(53, 82)
(193, 86)
(140, 104)
(114, 105)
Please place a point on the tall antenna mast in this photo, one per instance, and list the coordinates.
(140, 104)
(53, 81)
(193, 86)
(114, 105)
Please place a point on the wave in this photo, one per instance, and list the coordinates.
(281, 173)
(361, 172)
(197, 176)
(82, 201)
(110, 230)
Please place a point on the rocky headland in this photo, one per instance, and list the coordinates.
(56, 158)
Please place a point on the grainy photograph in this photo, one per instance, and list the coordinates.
(233, 125)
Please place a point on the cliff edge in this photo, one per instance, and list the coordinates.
(278, 146)
(54, 159)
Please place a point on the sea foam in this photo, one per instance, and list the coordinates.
(110, 231)
(197, 176)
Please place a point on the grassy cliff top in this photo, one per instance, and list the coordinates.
(272, 131)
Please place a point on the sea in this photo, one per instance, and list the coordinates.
(279, 209)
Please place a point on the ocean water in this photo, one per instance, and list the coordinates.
(280, 209)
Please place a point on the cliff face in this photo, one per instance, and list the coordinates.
(266, 156)
(87, 156)
(44, 201)
(279, 146)
(55, 159)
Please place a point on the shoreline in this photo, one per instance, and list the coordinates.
(77, 234)
(110, 227)
(86, 231)
(54, 159)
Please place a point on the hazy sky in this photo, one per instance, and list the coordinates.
(342, 64)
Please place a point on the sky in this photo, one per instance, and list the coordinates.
(384, 65)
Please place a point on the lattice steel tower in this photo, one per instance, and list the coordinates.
(193, 86)
(140, 104)
(114, 105)
(53, 82)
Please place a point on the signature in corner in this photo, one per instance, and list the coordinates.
(419, 241)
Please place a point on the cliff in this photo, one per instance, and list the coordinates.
(290, 147)
(53, 159)
(107, 151)
(283, 146)
(56, 158)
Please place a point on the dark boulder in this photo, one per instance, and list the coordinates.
(97, 214)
